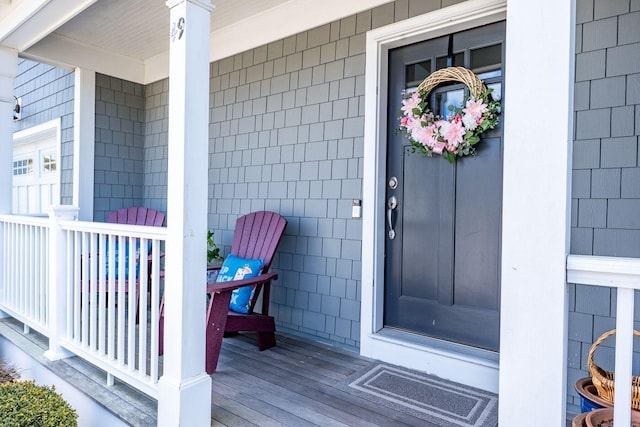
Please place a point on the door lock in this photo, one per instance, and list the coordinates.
(393, 183)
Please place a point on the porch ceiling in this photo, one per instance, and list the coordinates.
(130, 38)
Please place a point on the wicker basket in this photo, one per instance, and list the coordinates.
(456, 74)
(604, 380)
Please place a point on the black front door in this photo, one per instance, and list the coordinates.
(442, 269)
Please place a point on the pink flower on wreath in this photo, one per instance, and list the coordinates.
(438, 147)
(475, 108)
(428, 136)
(453, 132)
(414, 125)
(410, 103)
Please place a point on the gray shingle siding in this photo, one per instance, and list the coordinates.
(606, 172)
(47, 93)
(119, 145)
(155, 152)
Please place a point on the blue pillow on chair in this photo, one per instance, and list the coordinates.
(237, 268)
(126, 259)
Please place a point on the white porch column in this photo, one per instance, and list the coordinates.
(538, 133)
(185, 388)
(8, 71)
(84, 120)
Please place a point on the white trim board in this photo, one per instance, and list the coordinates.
(536, 205)
(49, 129)
(463, 365)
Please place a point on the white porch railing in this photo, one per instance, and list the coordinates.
(92, 288)
(24, 269)
(624, 275)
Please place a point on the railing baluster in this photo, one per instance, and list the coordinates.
(70, 283)
(102, 292)
(624, 355)
(111, 314)
(131, 358)
(142, 278)
(122, 325)
(95, 319)
(77, 284)
(155, 302)
(85, 289)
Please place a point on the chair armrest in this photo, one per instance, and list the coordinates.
(213, 267)
(235, 284)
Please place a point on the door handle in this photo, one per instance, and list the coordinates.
(391, 205)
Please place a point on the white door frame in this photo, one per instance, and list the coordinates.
(540, 46)
(43, 131)
(459, 363)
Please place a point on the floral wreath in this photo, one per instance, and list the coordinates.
(458, 133)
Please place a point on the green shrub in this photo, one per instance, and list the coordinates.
(25, 404)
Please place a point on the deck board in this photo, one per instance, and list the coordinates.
(297, 383)
(310, 387)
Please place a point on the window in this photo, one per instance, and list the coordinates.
(49, 162)
(23, 167)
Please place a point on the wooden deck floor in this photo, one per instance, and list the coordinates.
(297, 383)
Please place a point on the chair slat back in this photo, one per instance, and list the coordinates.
(257, 235)
(136, 216)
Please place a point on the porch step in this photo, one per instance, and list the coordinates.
(131, 406)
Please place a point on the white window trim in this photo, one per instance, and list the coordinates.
(50, 129)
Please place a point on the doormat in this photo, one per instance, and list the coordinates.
(432, 399)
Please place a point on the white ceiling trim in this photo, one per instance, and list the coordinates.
(68, 53)
(282, 21)
(276, 23)
(31, 21)
(291, 17)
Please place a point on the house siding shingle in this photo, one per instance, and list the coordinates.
(606, 172)
(119, 145)
(287, 133)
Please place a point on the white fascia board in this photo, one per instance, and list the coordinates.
(33, 20)
(156, 67)
(282, 21)
(65, 52)
(277, 23)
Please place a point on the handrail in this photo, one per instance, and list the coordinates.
(25, 219)
(143, 231)
(624, 275)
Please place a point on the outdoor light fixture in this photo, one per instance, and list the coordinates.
(17, 110)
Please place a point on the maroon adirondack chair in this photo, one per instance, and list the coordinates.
(256, 236)
(136, 216)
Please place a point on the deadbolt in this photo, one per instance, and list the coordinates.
(393, 183)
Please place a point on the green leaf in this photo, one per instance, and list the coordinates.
(474, 140)
(449, 156)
